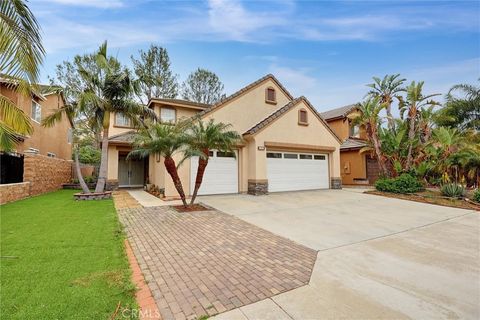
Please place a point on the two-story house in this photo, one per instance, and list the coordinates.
(355, 167)
(286, 145)
(53, 142)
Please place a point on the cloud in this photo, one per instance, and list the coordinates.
(89, 3)
(296, 80)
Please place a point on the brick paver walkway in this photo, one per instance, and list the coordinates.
(204, 263)
(122, 199)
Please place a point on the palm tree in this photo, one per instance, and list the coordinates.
(415, 102)
(72, 113)
(462, 112)
(164, 140)
(108, 91)
(204, 137)
(21, 53)
(386, 89)
(367, 115)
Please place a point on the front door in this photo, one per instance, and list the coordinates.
(130, 172)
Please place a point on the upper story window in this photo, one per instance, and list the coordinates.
(302, 117)
(270, 95)
(168, 115)
(354, 131)
(36, 111)
(69, 136)
(122, 121)
(51, 154)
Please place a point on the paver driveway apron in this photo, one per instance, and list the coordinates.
(378, 257)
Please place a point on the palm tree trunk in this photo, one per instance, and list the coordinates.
(391, 121)
(202, 165)
(411, 136)
(172, 171)
(102, 172)
(379, 155)
(79, 173)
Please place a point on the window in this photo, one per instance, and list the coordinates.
(167, 115)
(210, 153)
(302, 117)
(69, 135)
(276, 155)
(221, 154)
(33, 150)
(36, 112)
(318, 157)
(51, 154)
(290, 156)
(270, 95)
(355, 131)
(122, 121)
(306, 156)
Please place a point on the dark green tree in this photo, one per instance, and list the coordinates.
(203, 86)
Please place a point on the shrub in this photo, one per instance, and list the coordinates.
(476, 196)
(452, 190)
(405, 183)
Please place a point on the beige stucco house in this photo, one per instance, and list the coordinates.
(356, 167)
(286, 145)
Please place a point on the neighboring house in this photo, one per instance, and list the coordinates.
(356, 167)
(286, 145)
(53, 142)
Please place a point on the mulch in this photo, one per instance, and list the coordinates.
(191, 208)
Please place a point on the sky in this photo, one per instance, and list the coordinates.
(325, 50)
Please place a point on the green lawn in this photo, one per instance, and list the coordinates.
(62, 259)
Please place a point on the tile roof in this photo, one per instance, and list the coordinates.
(126, 137)
(180, 101)
(352, 143)
(338, 112)
(244, 89)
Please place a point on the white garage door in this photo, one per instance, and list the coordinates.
(289, 171)
(221, 174)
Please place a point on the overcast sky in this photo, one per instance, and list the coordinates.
(325, 50)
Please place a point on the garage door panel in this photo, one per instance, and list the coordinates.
(221, 175)
(297, 174)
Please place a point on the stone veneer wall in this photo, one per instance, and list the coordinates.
(14, 191)
(41, 174)
(336, 183)
(257, 187)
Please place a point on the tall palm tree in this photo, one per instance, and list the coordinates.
(164, 140)
(368, 116)
(21, 53)
(204, 137)
(415, 101)
(387, 89)
(108, 91)
(72, 113)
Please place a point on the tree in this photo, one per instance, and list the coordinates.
(462, 112)
(204, 137)
(110, 90)
(415, 101)
(70, 111)
(386, 89)
(21, 54)
(165, 140)
(367, 115)
(153, 71)
(203, 86)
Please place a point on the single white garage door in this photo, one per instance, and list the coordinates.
(289, 171)
(221, 174)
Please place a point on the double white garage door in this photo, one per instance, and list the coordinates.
(286, 171)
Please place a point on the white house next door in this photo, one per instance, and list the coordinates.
(221, 174)
(290, 171)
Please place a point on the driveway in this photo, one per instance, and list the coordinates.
(378, 257)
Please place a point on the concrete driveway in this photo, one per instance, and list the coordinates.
(378, 257)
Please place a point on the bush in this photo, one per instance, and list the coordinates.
(405, 183)
(452, 190)
(476, 196)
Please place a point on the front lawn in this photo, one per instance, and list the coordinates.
(62, 259)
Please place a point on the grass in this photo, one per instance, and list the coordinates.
(62, 259)
(431, 197)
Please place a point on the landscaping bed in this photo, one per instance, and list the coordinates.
(63, 259)
(191, 208)
(430, 196)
